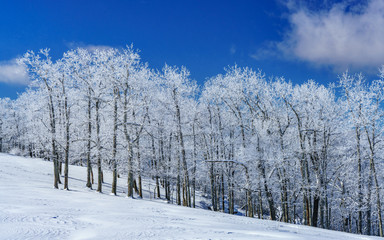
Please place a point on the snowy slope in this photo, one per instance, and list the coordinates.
(31, 209)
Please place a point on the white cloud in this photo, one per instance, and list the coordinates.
(341, 36)
(13, 73)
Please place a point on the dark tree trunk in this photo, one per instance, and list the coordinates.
(114, 142)
(98, 142)
(315, 214)
(67, 135)
(89, 166)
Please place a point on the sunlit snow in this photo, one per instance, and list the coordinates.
(30, 208)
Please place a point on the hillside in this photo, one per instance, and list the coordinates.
(31, 209)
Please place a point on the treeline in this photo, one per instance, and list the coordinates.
(305, 154)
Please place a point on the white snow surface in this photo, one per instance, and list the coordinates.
(30, 208)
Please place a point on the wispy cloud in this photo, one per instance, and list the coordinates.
(232, 49)
(90, 47)
(268, 50)
(13, 73)
(340, 36)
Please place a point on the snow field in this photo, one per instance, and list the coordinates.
(30, 208)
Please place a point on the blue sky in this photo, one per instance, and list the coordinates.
(317, 40)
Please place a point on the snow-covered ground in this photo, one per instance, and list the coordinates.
(30, 208)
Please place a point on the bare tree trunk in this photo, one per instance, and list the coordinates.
(222, 191)
(89, 166)
(98, 142)
(114, 141)
(129, 143)
(260, 208)
(231, 208)
(327, 213)
(231, 176)
(67, 137)
(168, 170)
(139, 166)
(272, 210)
(194, 166)
(359, 184)
(53, 136)
(284, 195)
(162, 164)
(187, 199)
(378, 201)
(249, 196)
(130, 171)
(372, 143)
(213, 188)
(155, 166)
(316, 202)
(218, 190)
(369, 208)
(178, 195)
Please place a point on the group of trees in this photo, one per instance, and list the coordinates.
(304, 154)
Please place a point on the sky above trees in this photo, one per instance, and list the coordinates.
(316, 40)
